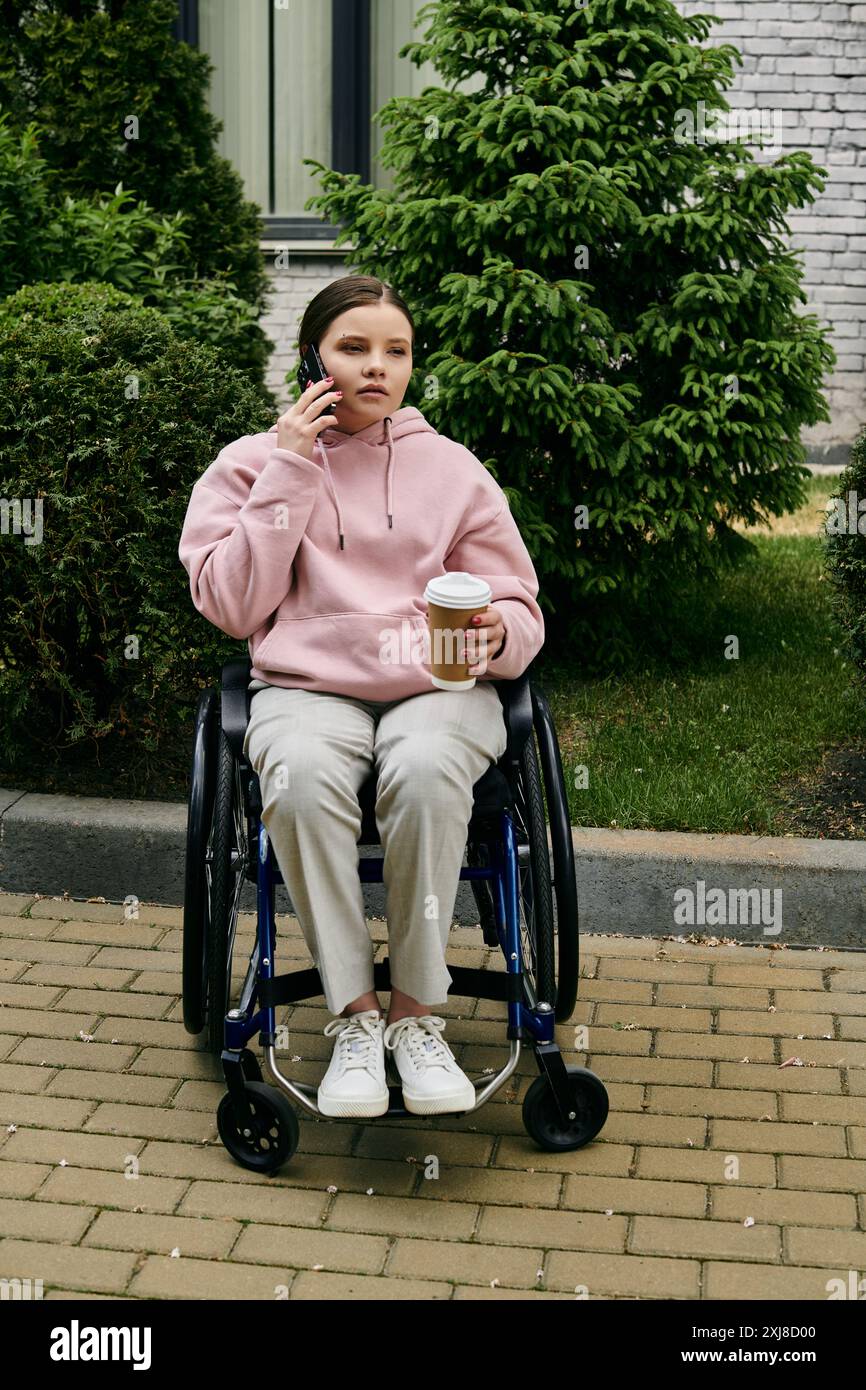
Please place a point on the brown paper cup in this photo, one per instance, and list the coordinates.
(452, 602)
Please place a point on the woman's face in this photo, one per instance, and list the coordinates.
(370, 345)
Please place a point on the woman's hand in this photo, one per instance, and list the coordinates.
(485, 637)
(300, 426)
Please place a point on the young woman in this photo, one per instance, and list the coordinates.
(317, 547)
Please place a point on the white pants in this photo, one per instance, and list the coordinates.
(312, 751)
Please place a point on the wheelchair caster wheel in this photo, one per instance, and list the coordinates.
(269, 1137)
(542, 1119)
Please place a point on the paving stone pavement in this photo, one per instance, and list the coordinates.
(720, 1174)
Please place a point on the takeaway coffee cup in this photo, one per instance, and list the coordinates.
(452, 601)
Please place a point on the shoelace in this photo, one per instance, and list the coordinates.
(357, 1033)
(423, 1040)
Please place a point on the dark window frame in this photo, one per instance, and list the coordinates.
(350, 105)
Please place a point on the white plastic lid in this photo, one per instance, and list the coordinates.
(458, 590)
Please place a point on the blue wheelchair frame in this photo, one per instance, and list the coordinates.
(264, 987)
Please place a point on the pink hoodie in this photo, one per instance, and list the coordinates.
(329, 586)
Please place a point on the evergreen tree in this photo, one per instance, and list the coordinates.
(606, 301)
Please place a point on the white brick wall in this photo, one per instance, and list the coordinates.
(806, 61)
(292, 288)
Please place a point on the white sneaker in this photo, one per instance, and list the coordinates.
(433, 1083)
(354, 1083)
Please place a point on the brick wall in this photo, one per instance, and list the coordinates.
(293, 286)
(807, 61)
(804, 65)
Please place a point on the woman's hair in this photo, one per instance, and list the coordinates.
(348, 292)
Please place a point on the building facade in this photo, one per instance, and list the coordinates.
(293, 79)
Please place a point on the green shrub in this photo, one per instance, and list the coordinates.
(845, 551)
(608, 315)
(106, 420)
(26, 207)
(83, 68)
(121, 242)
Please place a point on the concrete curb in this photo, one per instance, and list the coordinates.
(638, 882)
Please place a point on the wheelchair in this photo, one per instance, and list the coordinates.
(524, 889)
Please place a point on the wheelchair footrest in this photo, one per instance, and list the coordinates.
(473, 983)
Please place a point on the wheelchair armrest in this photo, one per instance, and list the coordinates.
(235, 703)
(516, 698)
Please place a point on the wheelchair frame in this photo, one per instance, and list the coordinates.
(566, 1106)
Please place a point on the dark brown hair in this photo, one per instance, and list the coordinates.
(348, 292)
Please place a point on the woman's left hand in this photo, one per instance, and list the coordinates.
(485, 636)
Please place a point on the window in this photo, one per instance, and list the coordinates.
(393, 25)
(294, 79)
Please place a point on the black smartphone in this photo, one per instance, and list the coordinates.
(312, 368)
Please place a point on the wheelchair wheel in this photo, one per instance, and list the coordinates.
(196, 897)
(227, 861)
(272, 1135)
(535, 901)
(589, 1103)
(564, 882)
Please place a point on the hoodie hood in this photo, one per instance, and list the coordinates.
(381, 434)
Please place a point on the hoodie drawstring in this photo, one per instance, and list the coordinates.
(388, 475)
(330, 481)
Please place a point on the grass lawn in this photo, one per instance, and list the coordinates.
(744, 746)
(771, 743)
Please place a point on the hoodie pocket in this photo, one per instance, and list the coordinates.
(355, 650)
